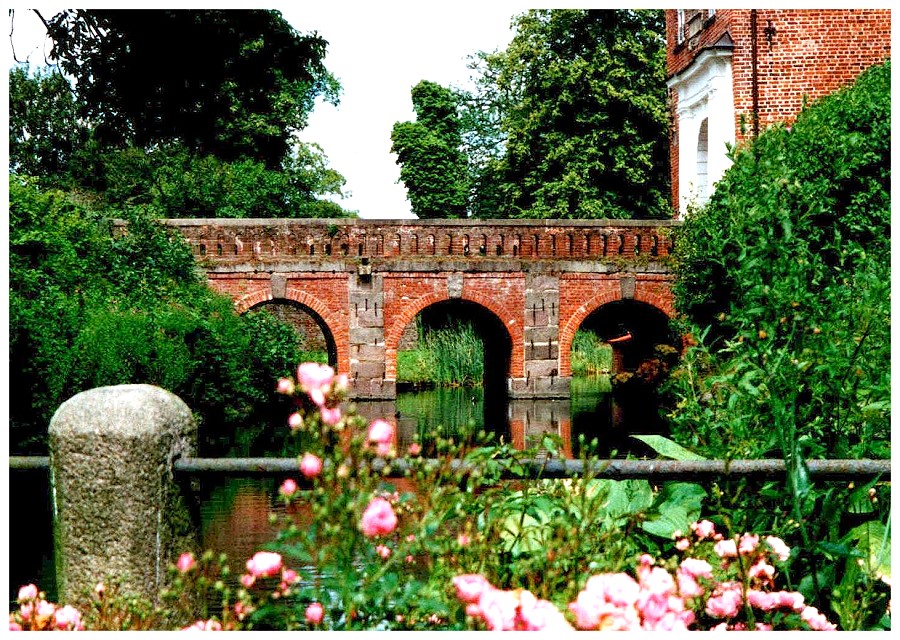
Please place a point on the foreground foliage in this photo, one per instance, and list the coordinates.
(452, 545)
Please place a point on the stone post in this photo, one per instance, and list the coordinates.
(117, 510)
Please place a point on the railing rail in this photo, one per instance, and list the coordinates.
(661, 470)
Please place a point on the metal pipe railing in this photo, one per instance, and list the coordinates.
(661, 470)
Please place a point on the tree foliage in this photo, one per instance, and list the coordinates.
(232, 84)
(44, 129)
(578, 101)
(90, 308)
(428, 151)
(785, 274)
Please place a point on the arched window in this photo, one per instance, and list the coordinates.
(702, 183)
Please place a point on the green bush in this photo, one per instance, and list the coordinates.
(784, 279)
(89, 308)
(785, 276)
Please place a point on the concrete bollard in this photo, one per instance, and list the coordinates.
(117, 509)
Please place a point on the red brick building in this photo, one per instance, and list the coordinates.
(733, 72)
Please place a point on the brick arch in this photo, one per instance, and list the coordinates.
(331, 321)
(411, 310)
(567, 331)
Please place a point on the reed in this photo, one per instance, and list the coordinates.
(451, 356)
(591, 356)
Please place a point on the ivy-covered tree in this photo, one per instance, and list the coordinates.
(233, 84)
(579, 99)
(432, 165)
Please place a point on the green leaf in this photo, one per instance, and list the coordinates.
(667, 448)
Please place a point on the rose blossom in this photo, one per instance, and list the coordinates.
(415, 449)
(378, 518)
(748, 544)
(288, 487)
(381, 434)
(28, 592)
(816, 620)
(67, 618)
(778, 547)
(315, 379)
(15, 626)
(727, 601)
(331, 416)
(186, 562)
(310, 465)
(264, 564)
(498, 609)
(726, 549)
(470, 586)
(703, 529)
(314, 613)
(383, 551)
(285, 386)
(295, 421)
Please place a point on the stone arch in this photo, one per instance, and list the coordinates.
(329, 321)
(411, 309)
(614, 294)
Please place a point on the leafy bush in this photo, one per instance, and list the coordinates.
(89, 308)
(785, 279)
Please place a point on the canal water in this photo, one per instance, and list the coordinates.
(234, 511)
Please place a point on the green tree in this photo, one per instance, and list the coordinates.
(580, 99)
(428, 151)
(233, 84)
(90, 308)
(44, 128)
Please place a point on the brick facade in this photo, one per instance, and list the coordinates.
(800, 55)
(365, 282)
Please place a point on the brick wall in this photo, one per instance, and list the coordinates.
(802, 54)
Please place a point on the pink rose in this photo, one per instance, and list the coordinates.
(247, 580)
(185, 563)
(816, 620)
(289, 576)
(15, 626)
(763, 571)
(726, 549)
(748, 544)
(498, 609)
(383, 551)
(381, 434)
(762, 600)
(470, 586)
(295, 421)
(315, 379)
(310, 465)
(331, 416)
(45, 609)
(703, 529)
(618, 588)
(539, 615)
(790, 600)
(285, 386)
(264, 564)
(378, 518)
(289, 486)
(727, 601)
(682, 544)
(687, 585)
(415, 449)
(67, 618)
(778, 547)
(462, 540)
(28, 592)
(696, 567)
(315, 613)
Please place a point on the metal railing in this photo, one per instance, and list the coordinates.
(661, 470)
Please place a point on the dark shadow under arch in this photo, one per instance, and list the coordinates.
(303, 319)
(497, 351)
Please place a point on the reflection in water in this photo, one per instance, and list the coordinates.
(234, 512)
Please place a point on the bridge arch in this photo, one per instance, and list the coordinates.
(512, 330)
(328, 321)
(663, 306)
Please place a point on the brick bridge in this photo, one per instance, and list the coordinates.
(528, 285)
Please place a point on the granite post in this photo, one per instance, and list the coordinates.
(117, 509)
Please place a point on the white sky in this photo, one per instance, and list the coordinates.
(378, 51)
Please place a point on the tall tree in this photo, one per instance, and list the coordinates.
(234, 84)
(432, 165)
(581, 100)
(44, 129)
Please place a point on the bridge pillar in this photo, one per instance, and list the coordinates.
(366, 338)
(541, 335)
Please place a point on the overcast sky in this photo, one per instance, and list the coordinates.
(378, 51)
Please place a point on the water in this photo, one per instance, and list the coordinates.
(234, 511)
